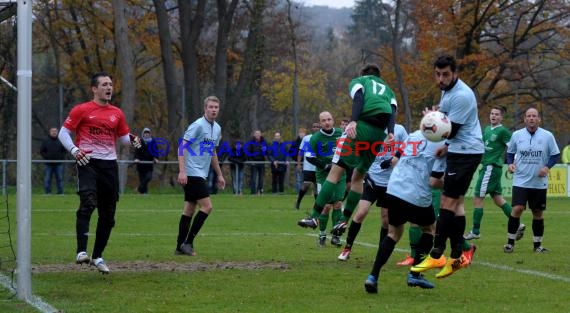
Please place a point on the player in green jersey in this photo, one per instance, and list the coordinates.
(496, 136)
(320, 154)
(372, 105)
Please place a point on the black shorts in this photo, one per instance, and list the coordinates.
(459, 172)
(195, 189)
(373, 193)
(102, 177)
(310, 177)
(400, 212)
(536, 198)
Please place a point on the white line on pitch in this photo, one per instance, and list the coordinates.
(35, 301)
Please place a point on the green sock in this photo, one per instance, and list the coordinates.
(466, 246)
(351, 203)
(323, 220)
(325, 194)
(436, 200)
(336, 216)
(477, 218)
(414, 232)
(315, 213)
(507, 209)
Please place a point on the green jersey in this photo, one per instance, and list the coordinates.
(322, 147)
(496, 139)
(378, 97)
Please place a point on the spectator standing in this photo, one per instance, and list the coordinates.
(279, 164)
(256, 152)
(237, 161)
(146, 168)
(52, 150)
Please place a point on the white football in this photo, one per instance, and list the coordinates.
(435, 126)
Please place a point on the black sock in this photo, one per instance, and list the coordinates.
(423, 247)
(443, 229)
(196, 226)
(302, 193)
(456, 237)
(353, 231)
(538, 232)
(382, 255)
(183, 228)
(512, 228)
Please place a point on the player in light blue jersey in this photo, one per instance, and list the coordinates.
(409, 199)
(195, 154)
(375, 190)
(531, 153)
(464, 149)
(309, 176)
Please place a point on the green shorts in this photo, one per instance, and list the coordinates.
(359, 153)
(338, 193)
(489, 181)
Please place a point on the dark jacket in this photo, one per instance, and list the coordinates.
(257, 150)
(52, 149)
(278, 152)
(237, 156)
(143, 154)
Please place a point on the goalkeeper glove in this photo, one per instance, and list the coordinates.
(135, 141)
(81, 157)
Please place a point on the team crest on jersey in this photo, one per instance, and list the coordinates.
(493, 137)
(112, 118)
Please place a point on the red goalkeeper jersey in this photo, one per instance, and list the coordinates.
(97, 128)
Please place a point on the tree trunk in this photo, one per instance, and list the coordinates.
(225, 17)
(246, 95)
(396, 48)
(126, 71)
(168, 69)
(190, 29)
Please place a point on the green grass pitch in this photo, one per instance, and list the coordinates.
(252, 257)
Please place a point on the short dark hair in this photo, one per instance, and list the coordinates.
(445, 61)
(501, 108)
(95, 78)
(370, 69)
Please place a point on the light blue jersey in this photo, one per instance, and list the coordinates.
(531, 154)
(304, 147)
(381, 176)
(410, 178)
(460, 106)
(202, 137)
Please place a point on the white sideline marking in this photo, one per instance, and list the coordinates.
(364, 244)
(35, 301)
(177, 210)
(530, 272)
